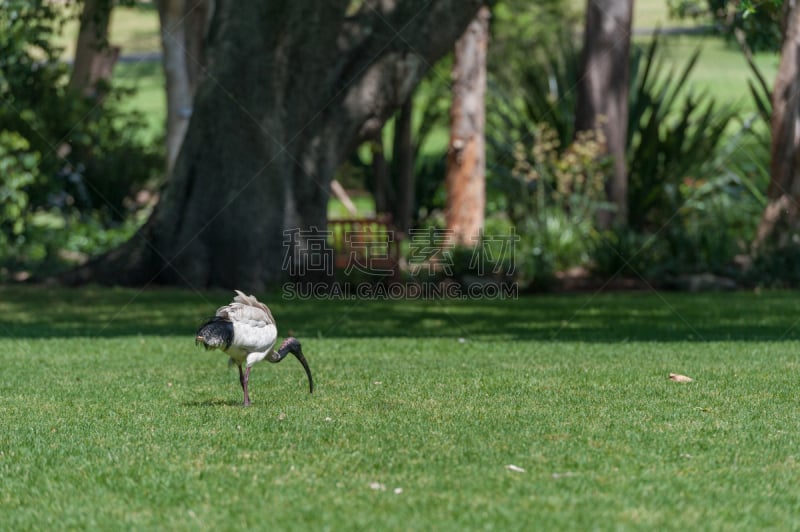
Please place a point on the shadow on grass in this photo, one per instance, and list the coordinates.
(37, 312)
(211, 403)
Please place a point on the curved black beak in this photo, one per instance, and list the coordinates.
(292, 345)
(298, 352)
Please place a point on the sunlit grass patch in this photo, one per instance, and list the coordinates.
(109, 415)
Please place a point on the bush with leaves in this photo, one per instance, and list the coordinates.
(551, 195)
(673, 135)
(757, 21)
(18, 168)
(90, 159)
(684, 185)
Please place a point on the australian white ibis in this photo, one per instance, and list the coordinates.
(245, 330)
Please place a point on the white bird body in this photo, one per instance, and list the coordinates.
(254, 329)
(246, 331)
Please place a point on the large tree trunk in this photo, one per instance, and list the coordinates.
(603, 92)
(183, 31)
(466, 158)
(780, 219)
(94, 57)
(292, 86)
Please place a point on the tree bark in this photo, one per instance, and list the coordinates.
(292, 86)
(403, 151)
(183, 28)
(380, 175)
(780, 219)
(603, 92)
(94, 57)
(466, 157)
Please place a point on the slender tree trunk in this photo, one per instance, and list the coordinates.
(603, 92)
(94, 57)
(780, 219)
(466, 157)
(403, 162)
(292, 87)
(380, 175)
(183, 29)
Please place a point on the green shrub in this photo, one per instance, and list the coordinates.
(18, 170)
(71, 164)
(672, 136)
(759, 21)
(551, 196)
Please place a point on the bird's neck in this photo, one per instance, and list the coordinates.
(276, 356)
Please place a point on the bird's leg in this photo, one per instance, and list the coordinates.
(244, 376)
(245, 379)
(241, 376)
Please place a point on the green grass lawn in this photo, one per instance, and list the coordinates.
(134, 29)
(148, 98)
(721, 69)
(111, 418)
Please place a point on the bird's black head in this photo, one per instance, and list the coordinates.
(215, 333)
(292, 345)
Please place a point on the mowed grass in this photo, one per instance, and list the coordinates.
(111, 418)
(721, 69)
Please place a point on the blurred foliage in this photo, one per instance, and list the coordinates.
(776, 267)
(74, 163)
(705, 234)
(672, 136)
(552, 194)
(18, 166)
(776, 263)
(521, 29)
(759, 21)
(691, 206)
(548, 83)
(431, 107)
(518, 28)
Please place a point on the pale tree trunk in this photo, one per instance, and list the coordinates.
(780, 219)
(603, 92)
(94, 57)
(291, 88)
(183, 29)
(403, 151)
(466, 158)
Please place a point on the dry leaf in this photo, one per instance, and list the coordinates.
(516, 469)
(679, 378)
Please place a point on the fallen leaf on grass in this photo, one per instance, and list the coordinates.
(516, 469)
(377, 486)
(679, 378)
